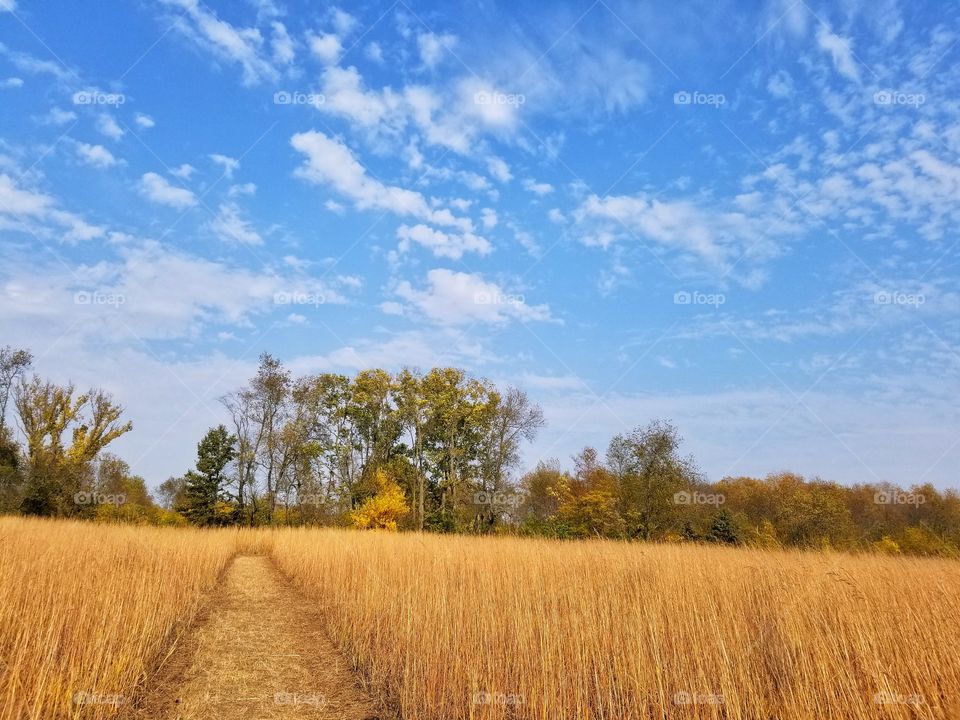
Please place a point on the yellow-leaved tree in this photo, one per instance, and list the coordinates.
(382, 510)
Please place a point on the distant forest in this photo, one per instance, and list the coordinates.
(436, 451)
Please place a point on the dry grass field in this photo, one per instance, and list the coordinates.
(86, 609)
(508, 628)
(457, 627)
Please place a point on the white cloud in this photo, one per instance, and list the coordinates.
(144, 121)
(488, 104)
(450, 116)
(345, 95)
(780, 84)
(840, 50)
(499, 169)
(242, 189)
(326, 48)
(442, 244)
(95, 155)
(226, 42)
(488, 216)
(330, 162)
(712, 237)
(207, 293)
(537, 188)
(229, 226)
(29, 64)
(374, 52)
(108, 126)
(456, 298)
(526, 240)
(343, 22)
(228, 164)
(414, 348)
(11, 82)
(16, 201)
(56, 116)
(30, 207)
(8, 5)
(284, 50)
(156, 188)
(434, 47)
(183, 171)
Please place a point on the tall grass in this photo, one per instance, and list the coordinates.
(445, 628)
(86, 609)
(448, 628)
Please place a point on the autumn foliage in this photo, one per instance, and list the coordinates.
(382, 510)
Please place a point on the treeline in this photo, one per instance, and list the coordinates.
(375, 449)
(645, 490)
(437, 451)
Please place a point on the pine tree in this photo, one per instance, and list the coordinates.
(723, 530)
(203, 502)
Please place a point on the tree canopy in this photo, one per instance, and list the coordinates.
(433, 451)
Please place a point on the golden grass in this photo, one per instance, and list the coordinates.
(86, 609)
(457, 627)
(448, 628)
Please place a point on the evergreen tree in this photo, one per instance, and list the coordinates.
(203, 497)
(689, 533)
(723, 530)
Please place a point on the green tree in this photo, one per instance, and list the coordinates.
(650, 471)
(204, 497)
(458, 410)
(723, 529)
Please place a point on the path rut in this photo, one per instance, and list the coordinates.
(259, 653)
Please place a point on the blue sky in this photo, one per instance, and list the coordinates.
(739, 216)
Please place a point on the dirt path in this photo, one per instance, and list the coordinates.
(259, 653)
